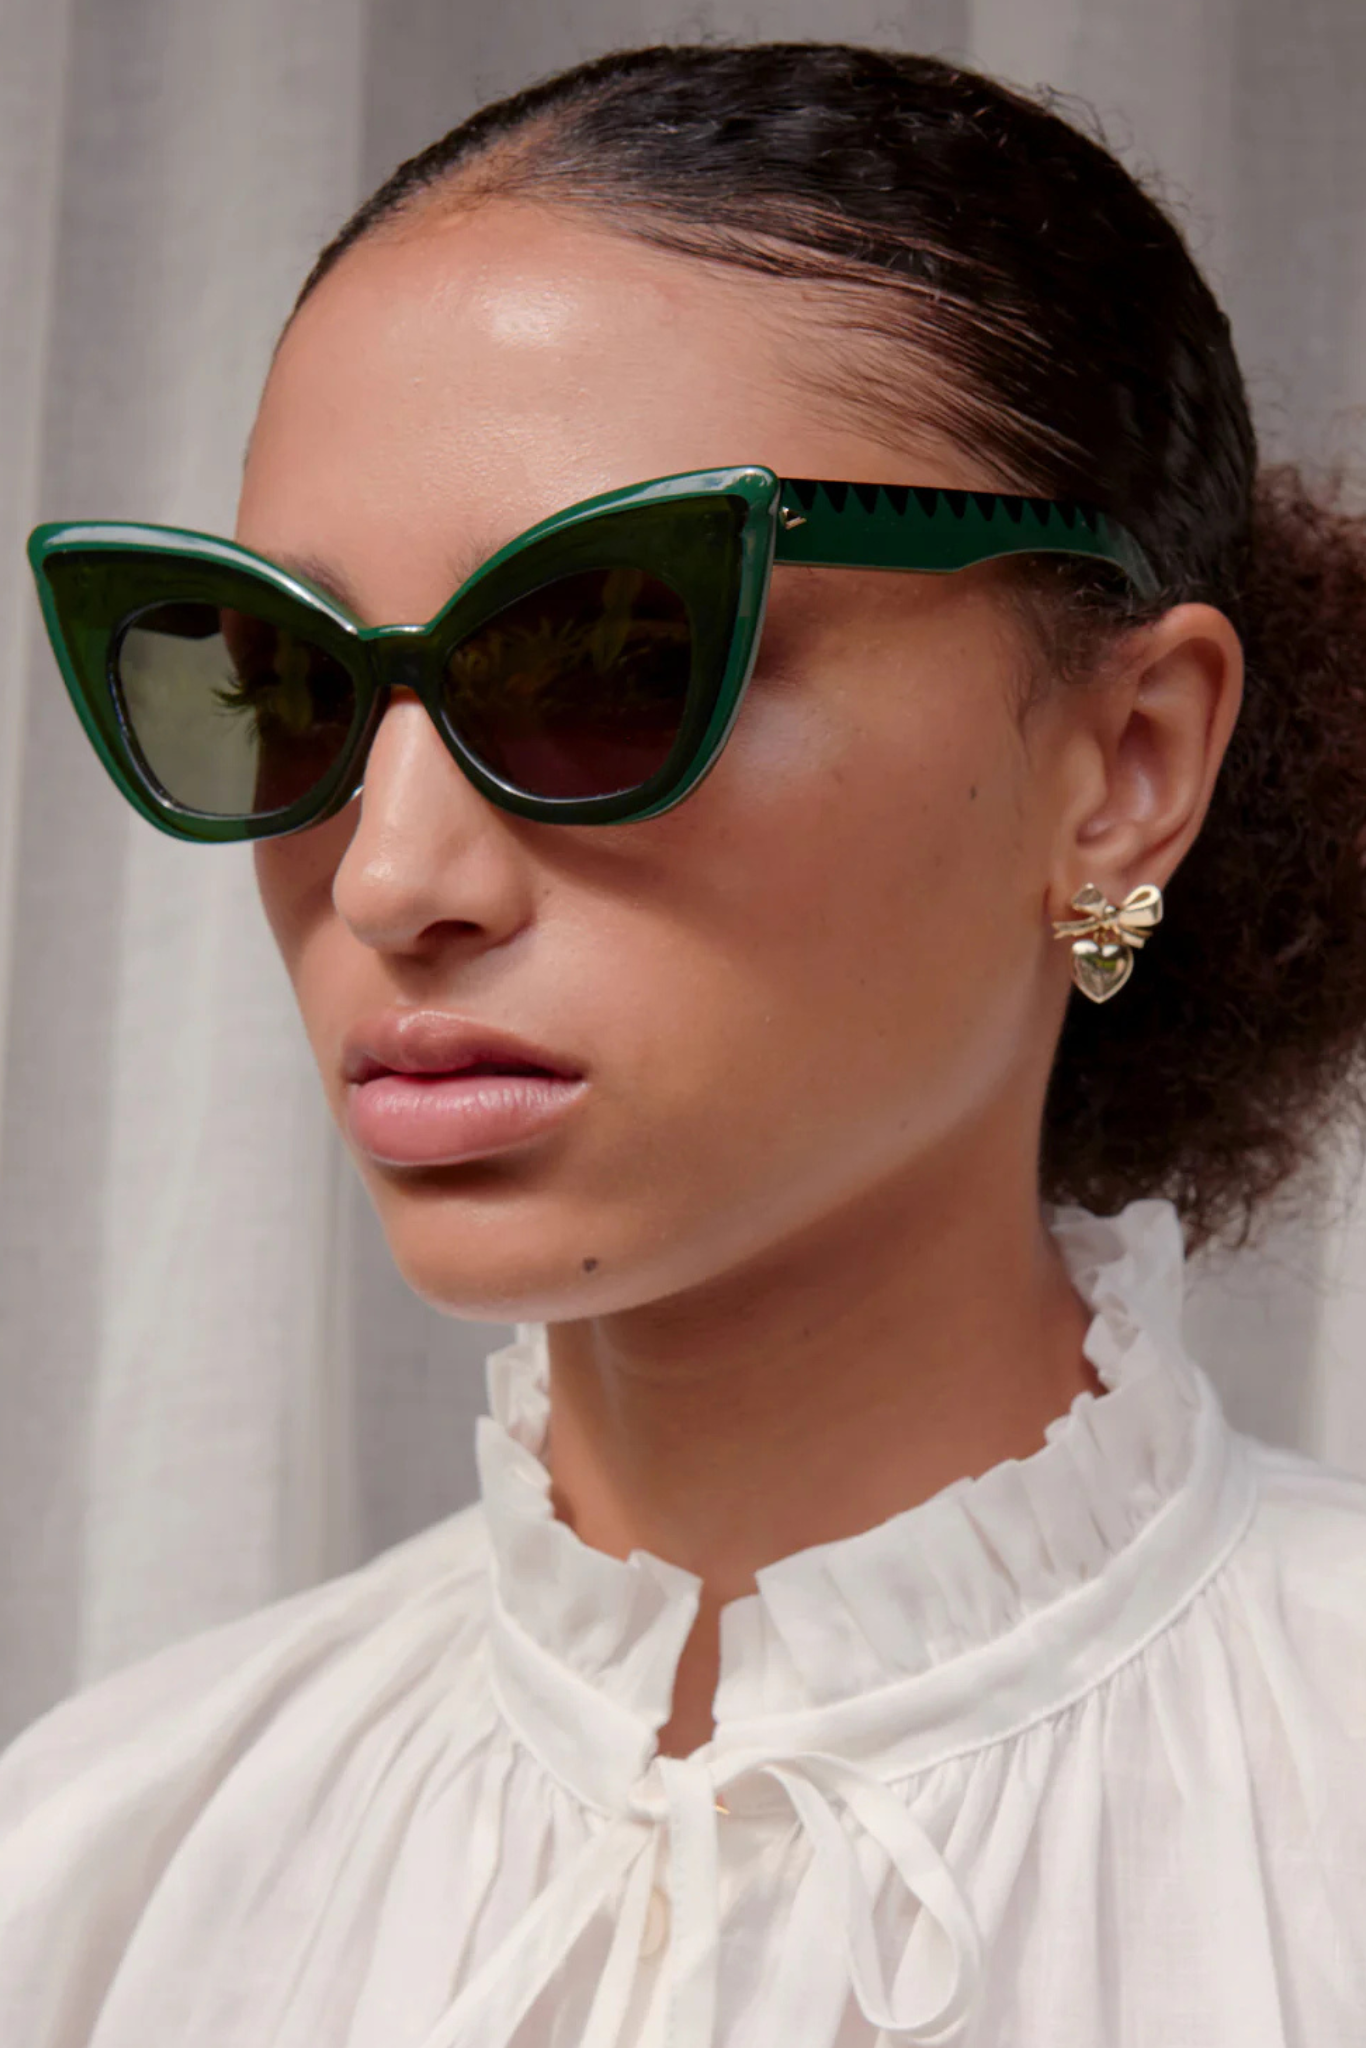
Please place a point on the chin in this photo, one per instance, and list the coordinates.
(467, 1255)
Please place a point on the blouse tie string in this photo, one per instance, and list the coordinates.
(487, 2012)
(811, 1779)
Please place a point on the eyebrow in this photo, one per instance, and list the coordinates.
(329, 580)
(336, 586)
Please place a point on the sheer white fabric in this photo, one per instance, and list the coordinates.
(1072, 1753)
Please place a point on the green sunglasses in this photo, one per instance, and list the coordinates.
(589, 673)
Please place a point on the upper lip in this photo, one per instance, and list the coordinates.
(434, 1042)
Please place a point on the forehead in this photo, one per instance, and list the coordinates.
(454, 380)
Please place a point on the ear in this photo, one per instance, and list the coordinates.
(1141, 752)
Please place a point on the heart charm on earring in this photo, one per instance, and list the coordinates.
(1100, 971)
(1106, 938)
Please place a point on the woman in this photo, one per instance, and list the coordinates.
(871, 1628)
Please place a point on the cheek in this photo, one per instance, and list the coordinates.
(888, 842)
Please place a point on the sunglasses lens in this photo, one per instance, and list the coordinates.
(578, 688)
(234, 716)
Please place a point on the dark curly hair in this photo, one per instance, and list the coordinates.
(962, 224)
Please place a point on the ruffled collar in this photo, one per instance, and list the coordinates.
(930, 1629)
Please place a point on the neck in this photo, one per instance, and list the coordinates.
(922, 1335)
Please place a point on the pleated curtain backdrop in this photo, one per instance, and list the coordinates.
(214, 1387)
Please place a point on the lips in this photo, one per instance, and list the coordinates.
(432, 1090)
(436, 1042)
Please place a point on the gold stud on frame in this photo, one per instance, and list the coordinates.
(1107, 935)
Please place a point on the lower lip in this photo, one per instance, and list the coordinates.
(440, 1119)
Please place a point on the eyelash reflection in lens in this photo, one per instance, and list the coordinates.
(290, 686)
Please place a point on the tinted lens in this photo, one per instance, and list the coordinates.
(233, 715)
(576, 689)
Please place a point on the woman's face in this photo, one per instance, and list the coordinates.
(825, 973)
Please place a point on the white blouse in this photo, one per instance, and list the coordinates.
(1071, 1755)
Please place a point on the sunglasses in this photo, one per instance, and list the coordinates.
(589, 673)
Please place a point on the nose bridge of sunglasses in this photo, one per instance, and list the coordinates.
(402, 659)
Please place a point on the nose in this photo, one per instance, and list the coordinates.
(427, 849)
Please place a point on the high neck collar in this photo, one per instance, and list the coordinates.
(935, 1626)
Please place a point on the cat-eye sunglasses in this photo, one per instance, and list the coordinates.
(588, 673)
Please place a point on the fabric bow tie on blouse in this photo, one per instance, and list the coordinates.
(833, 1911)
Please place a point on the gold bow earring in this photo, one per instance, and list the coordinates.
(1106, 938)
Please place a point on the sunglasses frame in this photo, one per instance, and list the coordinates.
(806, 521)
